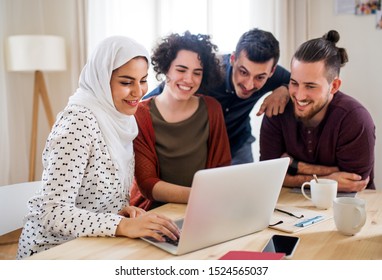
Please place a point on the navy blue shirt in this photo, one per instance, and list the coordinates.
(236, 110)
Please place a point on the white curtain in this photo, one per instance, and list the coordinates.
(224, 20)
(148, 20)
(291, 26)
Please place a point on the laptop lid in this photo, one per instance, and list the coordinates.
(229, 202)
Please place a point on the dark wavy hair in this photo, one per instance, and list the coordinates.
(260, 46)
(324, 48)
(167, 50)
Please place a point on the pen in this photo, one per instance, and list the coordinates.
(309, 221)
(289, 213)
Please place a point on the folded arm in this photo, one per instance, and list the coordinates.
(347, 182)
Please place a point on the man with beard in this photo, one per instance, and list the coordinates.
(323, 131)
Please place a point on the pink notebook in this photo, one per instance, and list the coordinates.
(251, 255)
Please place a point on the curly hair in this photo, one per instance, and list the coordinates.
(167, 50)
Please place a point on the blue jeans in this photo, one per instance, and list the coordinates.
(244, 154)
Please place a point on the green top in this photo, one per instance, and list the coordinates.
(181, 147)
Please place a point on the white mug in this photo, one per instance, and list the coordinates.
(322, 193)
(349, 214)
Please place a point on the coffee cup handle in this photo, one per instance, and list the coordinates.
(303, 191)
(362, 214)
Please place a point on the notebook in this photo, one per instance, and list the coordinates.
(251, 255)
(228, 202)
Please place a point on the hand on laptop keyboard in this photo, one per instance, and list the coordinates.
(166, 239)
(148, 225)
(169, 240)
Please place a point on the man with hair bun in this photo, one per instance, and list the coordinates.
(323, 131)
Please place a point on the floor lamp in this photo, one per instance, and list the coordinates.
(36, 53)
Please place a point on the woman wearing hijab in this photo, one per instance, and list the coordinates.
(89, 160)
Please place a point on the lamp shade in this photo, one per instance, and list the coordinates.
(27, 53)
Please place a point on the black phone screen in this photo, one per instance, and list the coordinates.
(281, 244)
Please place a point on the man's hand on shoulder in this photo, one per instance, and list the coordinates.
(275, 103)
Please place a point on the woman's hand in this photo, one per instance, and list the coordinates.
(131, 211)
(148, 225)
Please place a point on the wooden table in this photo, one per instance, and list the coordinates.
(321, 241)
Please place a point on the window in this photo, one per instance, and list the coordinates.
(149, 20)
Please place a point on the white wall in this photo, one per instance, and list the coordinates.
(54, 17)
(361, 76)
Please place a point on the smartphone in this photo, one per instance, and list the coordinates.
(282, 244)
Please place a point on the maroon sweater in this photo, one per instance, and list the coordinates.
(147, 167)
(345, 138)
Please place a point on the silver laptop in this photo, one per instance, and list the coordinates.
(228, 202)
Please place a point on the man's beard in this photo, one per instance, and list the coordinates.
(313, 112)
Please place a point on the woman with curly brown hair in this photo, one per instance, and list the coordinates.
(180, 132)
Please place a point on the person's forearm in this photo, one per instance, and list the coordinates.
(310, 169)
(305, 173)
(166, 192)
(296, 181)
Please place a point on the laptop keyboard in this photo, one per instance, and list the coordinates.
(179, 223)
(169, 240)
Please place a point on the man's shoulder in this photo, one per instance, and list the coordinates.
(347, 108)
(285, 120)
(346, 102)
(156, 91)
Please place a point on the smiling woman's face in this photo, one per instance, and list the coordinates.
(185, 75)
(128, 84)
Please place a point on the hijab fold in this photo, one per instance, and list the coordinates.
(94, 93)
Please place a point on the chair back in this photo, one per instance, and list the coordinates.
(14, 204)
